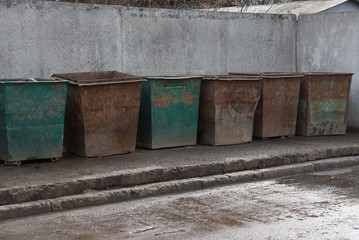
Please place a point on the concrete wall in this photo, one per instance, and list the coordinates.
(330, 42)
(40, 38)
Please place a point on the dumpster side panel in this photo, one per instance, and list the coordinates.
(327, 103)
(303, 110)
(175, 112)
(279, 107)
(3, 134)
(235, 103)
(74, 137)
(110, 118)
(206, 118)
(34, 120)
(144, 136)
(258, 114)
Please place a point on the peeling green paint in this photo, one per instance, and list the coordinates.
(169, 112)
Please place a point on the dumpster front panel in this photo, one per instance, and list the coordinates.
(234, 104)
(34, 120)
(35, 142)
(323, 105)
(110, 118)
(277, 111)
(174, 112)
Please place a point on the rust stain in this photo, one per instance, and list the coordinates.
(163, 100)
(188, 98)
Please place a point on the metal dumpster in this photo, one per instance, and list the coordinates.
(31, 119)
(101, 113)
(227, 106)
(323, 104)
(169, 112)
(276, 114)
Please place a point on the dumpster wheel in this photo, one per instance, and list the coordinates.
(54, 159)
(16, 163)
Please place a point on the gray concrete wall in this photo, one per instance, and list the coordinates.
(330, 42)
(40, 38)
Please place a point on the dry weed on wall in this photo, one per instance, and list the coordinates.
(184, 4)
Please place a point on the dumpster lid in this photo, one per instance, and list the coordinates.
(31, 80)
(98, 78)
(270, 74)
(231, 77)
(326, 73)
(172, 77)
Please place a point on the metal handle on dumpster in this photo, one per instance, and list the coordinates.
(30, 80)
(175, 88)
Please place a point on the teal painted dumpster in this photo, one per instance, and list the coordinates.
(169, 112)
(31, 119)
(323, 104)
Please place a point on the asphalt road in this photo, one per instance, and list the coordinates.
(323, 205)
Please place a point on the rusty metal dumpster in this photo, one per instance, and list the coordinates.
(101, 112)
(323, 104)
(227, 106)
(276, 114)
(31, 119)
(169, 112)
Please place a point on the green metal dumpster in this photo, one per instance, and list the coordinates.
(323, 104)
(169, 112)
(31, 119)
(227, 106)
(276, 114)
(101, 112)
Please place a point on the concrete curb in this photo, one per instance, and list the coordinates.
(130, 178)
(94, 198)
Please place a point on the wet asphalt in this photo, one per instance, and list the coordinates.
(322, 205)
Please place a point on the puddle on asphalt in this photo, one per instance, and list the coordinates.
(202, 212)
(343, 182)
(334, 172)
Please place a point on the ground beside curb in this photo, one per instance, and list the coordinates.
(93, 197)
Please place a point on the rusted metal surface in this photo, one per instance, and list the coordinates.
(276, 114)
(227, 106)
(323, 104)
(169, 112)
(101, 113)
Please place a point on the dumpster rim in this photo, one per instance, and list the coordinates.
(106, 83)
(172, 77)
(31, 80)
(326, 73)
(231, 78)
(269, 75)
(99, 81)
